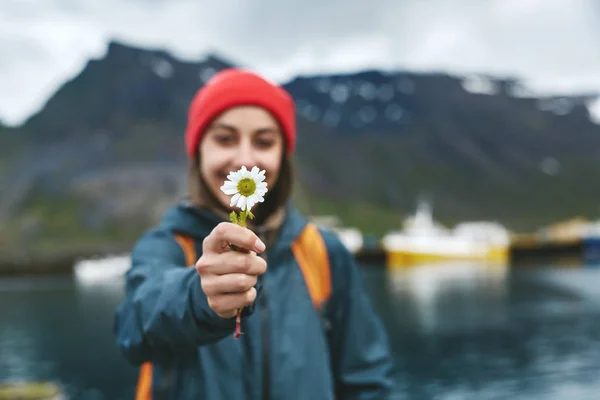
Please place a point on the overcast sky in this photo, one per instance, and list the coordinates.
(554, 45)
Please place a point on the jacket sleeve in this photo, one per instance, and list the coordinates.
(361, 356)
(165, 311)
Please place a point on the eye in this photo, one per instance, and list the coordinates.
(264, 142)
(224, 138)
(266, 139)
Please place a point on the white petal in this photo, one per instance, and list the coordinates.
(228, 191)
(254, 172)
(259, 178)
(229, 188)
(242, 203)
(229, 185)
(234, 199)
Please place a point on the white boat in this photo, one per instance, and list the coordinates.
(422, 239)
(351, 238)
(98, 270)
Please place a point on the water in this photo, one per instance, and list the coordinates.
(55, 329)
(468, 332)
(457, 331)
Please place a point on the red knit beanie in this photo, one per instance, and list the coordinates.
(234, 87)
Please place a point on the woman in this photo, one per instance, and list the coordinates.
(301, 339)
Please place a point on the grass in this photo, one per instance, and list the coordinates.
(57, 225)
(369, 218)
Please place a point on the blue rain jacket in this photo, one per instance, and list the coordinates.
(288, 349)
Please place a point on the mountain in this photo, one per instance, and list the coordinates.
(104, 157)
(388, 102)
(479, 147)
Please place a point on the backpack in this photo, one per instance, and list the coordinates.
(310, 252)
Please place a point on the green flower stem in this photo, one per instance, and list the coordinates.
(241, 221)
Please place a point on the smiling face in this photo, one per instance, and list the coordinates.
(242, 136)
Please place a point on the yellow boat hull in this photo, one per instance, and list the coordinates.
(31, 391)
(399, 259)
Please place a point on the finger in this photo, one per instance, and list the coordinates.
(231, 262)
(227, 284)
(228, 233)
(236, 262)
(228, 304)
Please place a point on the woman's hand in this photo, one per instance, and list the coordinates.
(228, 277)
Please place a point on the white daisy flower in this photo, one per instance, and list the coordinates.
(246, 188)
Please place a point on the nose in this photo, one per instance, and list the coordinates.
(245, 156)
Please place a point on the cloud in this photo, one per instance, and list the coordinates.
(552, 44)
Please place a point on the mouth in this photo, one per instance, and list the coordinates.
(222, 175)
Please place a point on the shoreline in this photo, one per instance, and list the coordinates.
(37, 262)
(44, 263)
(57, 265)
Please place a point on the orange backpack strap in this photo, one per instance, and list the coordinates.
(188, 246)
(144, 385)
(311, 254)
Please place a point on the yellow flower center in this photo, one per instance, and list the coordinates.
(246, 187)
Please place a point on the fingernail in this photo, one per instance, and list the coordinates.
(259, 246)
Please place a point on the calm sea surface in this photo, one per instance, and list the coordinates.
(458, 331)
